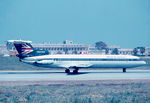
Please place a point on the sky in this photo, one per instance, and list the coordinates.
(124, 23)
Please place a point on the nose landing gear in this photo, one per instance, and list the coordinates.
(67, 71)
(124, 70)
(75, 71)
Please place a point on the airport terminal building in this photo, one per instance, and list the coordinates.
(68, 47)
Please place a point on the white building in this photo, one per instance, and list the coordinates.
(93, 50)
(3, 49)
(63, 48)
(147, 51)
(125, 51)
(68, 47)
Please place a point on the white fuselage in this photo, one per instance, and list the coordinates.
(85, 61)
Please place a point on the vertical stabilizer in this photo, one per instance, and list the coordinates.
(26, 50)
(23, 48)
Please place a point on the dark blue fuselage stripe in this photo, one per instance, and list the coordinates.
(89, 59)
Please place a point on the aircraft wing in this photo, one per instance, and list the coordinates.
(45, 62)
(80, 65)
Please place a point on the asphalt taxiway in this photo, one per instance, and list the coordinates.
(83, 75)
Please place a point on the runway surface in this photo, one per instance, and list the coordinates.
(83, 75)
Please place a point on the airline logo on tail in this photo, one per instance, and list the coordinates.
(26, 49)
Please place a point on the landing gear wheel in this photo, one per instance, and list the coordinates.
(75, 71)
(124, 70)
(67, 71)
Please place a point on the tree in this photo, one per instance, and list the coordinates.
(74, 52)
(142, 50)
(106, 51)
(115, 51)
(135, 51)
(100, 45)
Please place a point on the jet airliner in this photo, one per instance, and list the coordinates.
(42, 58)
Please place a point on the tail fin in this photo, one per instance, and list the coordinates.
(26, 50)
(23, 48)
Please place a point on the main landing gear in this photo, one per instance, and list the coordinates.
(124, 70)
(75, 71)
(67, 71)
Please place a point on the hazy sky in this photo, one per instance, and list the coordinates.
(117, 22)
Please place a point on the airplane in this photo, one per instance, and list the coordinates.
(42, 58)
